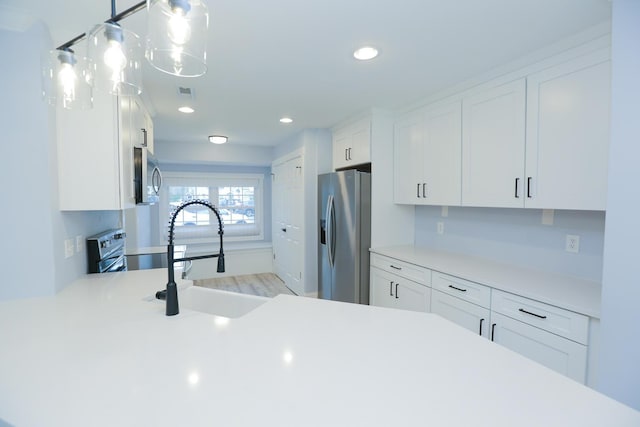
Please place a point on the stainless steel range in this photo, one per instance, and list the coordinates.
(105, 252)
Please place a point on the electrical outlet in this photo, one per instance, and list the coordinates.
(441, 228)
(572, 243)
(68, 248)
(79, 243)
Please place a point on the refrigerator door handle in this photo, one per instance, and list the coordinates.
(330, 214)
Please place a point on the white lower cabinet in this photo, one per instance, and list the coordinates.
(560, 354)
(552, 336)
(397, 284)
(470, 316)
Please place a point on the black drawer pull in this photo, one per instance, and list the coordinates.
(522, 310)
(480, 332)
(457, 289)
(493, 330)
(394, 267)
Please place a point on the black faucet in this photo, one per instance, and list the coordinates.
(170, 294)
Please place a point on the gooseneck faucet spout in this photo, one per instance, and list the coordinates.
(170, 294)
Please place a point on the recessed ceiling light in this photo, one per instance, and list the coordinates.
(365, 53)
(218, 139)
(286, 120)
(187, 110)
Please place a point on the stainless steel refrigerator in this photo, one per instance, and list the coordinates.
(344, 212)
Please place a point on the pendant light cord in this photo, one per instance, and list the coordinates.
(114, 18)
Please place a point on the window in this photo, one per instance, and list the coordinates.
(237, 197)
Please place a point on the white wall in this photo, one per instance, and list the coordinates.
(619, 374)
(34, 231)
(517, 236)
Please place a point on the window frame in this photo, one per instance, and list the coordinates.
(212, 179)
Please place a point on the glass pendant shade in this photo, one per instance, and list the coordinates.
(177, 36)
(66, 80)
(116, 57)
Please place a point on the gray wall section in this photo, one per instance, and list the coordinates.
(619, 374)
(517, 236)
(33, 261)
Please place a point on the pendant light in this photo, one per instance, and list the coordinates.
(177, 36)
(66, 80)
(116, 57)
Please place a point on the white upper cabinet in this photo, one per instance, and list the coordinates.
(95, 156)
(352, 144)
(493, 146)
(568, 134)
(427, 156)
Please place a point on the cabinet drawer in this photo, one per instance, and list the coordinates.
(463, 289)
(402, 269)
(550, 318)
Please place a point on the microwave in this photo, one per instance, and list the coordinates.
(147, 178)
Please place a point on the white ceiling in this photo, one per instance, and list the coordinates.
(268, 59)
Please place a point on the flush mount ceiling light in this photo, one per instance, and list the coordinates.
(175, 44)
(365, 53)
(218, 139)
(186, 110)
(286, 120)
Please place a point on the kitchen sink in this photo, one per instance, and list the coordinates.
(217, 302)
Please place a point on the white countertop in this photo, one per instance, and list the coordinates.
(101, 353)
(578, 295)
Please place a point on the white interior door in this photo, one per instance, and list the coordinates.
(288, 222)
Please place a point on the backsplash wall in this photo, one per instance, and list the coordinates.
(517, 236)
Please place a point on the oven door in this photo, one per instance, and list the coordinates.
(113, 263)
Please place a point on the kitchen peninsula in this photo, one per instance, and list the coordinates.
(102, 352)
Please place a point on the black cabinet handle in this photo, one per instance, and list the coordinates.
(394, 267)
(516, 194)
(346, 156)
(522, 310)
(397, 290)
(529, 187)
(144, 137)
(391, 288)
(350, 154)
(424, 189)
(480, 331)
(493, 331)
(457, 289)
(284, 229)
(418, 190)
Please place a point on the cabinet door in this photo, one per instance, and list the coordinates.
(560, 354)
(409, 295)
(341, 144)
(408, 167)
(389, 290)
(493, 137)
(381, 288)
(470, 316)
(351, 144)
(441, 155)
(568, 134)
(360, 143)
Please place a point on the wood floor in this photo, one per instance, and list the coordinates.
(262, 284)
